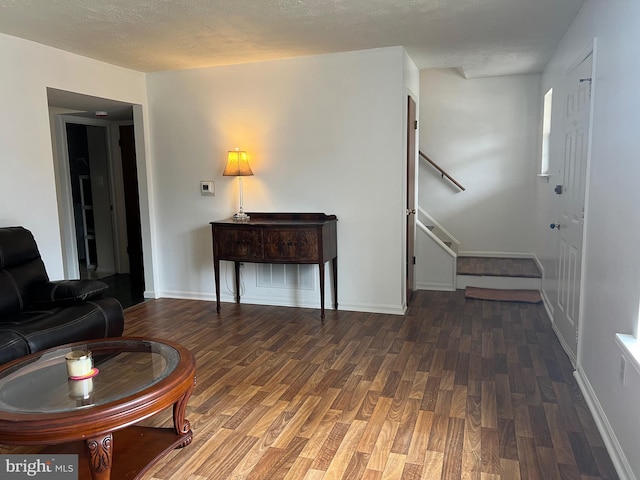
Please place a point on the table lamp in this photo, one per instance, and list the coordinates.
(238, 166)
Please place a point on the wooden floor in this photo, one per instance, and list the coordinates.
(455, 389)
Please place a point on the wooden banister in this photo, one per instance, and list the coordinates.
(442, 172)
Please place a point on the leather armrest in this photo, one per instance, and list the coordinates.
(66, 291)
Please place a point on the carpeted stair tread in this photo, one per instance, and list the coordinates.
(524, 296)
(498, 267)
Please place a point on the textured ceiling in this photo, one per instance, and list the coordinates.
(480, 37)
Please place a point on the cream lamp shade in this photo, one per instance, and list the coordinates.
(237, 164)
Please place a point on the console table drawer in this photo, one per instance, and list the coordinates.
(242, 244)
(291, 245)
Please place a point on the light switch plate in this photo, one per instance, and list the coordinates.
(207, 188)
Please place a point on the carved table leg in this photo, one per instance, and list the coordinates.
(100, 451)
(182, 425)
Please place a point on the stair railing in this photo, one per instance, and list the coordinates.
(442, 171)
(429, 220)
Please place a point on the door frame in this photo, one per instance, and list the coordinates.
(119, 207)
(70, 262)
(410, 204)
(590, 49)
(65, 204)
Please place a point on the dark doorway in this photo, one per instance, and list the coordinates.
(91, 194)
(81, 193)
(91, 181)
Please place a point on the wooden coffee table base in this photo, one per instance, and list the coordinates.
(128, 453)
(104, 435)
(134, 449)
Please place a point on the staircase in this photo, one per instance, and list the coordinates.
(438, 266)
(498, 273)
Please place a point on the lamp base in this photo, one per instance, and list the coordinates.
(241, 217)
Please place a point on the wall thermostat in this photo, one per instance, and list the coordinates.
(207, 188)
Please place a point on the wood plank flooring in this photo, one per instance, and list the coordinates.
(454, 389)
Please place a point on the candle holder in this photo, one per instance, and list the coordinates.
(79, 364)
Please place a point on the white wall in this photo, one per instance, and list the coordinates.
(611, 284)
(27, 185)
(479, 131)
(323, 134)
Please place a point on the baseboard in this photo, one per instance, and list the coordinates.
(618, 458)
(180, 295)
(548, 306)
(368, 308)
(437, 287)
(270, 301)
(549, 310)
(563, 344)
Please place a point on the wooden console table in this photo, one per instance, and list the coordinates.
(300, 238)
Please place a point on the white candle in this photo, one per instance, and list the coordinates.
(79, 363)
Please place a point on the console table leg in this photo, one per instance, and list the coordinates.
(237, 265)
(216, 275)
(100, 451)
(334, 264)
(321, 290)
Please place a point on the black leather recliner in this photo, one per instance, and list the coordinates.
(36, 313)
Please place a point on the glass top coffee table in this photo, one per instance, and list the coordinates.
(134, 378)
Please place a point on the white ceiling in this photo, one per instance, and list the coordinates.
(78, 105)
(480, 37)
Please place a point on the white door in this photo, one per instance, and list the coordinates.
(571, 201)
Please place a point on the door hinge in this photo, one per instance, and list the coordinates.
(414, 260)
(415, 124)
